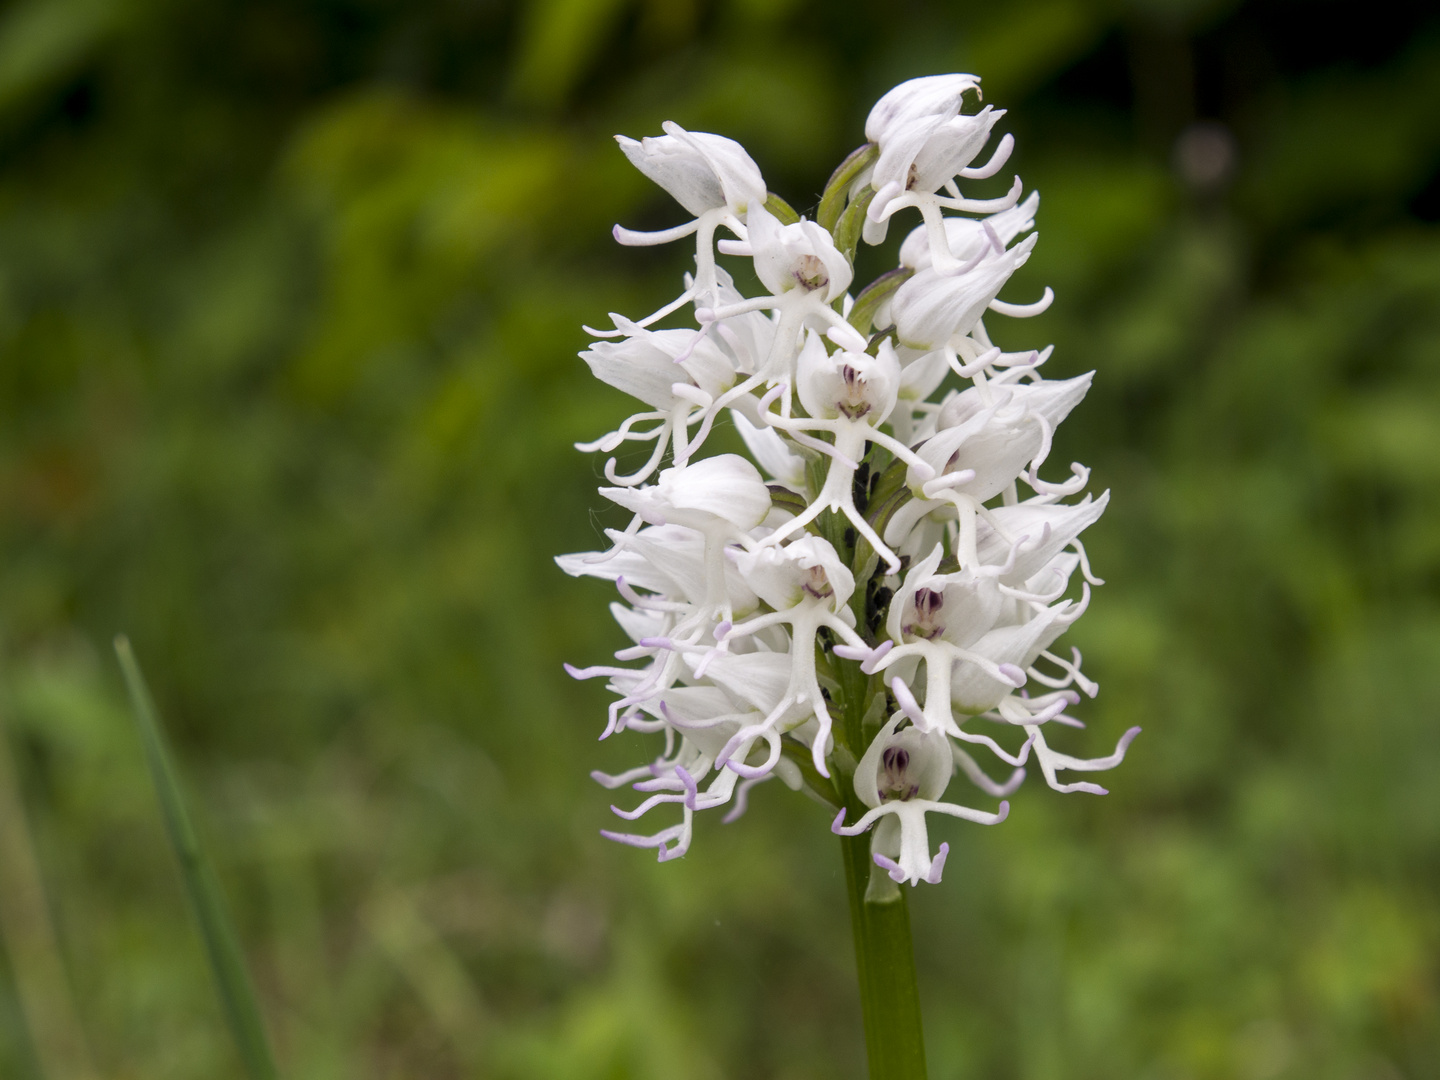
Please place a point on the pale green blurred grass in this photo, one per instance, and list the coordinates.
(289, 302)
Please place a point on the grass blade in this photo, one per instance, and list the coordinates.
(36, 963)
(227, 963)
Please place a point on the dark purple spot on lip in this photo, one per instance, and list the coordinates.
(854, 405)
(926, 623)
(817, 584)
(897, 784)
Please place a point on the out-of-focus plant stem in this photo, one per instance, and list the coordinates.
(30, 941)
(222, 948)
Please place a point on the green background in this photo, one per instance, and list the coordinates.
(290, 296)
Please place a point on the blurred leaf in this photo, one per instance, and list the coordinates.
(1021, 50)
(44, 41)
(562, 39)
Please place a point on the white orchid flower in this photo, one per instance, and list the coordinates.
(925, 143)
(808, 586)
(667, 370)
(935, 618)
(703, 172)
(848, 396)
(806, 273)
(929, 95)
(722, 498)
(901, 778)
(990, 436)
(1052, 527)
(967, 238)
(710, 176)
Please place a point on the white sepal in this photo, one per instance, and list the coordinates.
(931, 308)
(928, 95)
(643, 365)
(722, 488)
(770, 450)
(700, 170)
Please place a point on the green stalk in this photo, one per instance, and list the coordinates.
(884, 951)
(222, 948)
(885, 959)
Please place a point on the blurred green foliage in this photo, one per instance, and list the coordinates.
(290, 294)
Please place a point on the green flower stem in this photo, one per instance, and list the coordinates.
(884, 952)
(885, 959)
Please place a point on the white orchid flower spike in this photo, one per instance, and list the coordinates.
(864, 595)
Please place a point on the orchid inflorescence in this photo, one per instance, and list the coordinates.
(846, 614)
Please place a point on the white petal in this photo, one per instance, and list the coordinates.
(930, 309)
(637, 368)
(726, 486)
(770, 449)
(1064, 524)
(756, 680)
(702, 171)
(917, 97)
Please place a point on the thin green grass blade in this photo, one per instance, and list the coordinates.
(227, 963)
